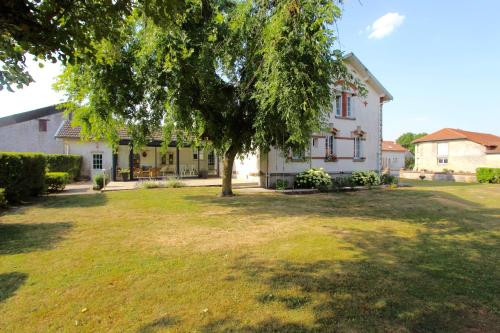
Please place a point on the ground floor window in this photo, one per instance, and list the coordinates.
(330, 148)
(97, 161)
(357, 147)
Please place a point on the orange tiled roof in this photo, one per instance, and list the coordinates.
(489, 140)
(392, 146)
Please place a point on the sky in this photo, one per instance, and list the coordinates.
(439, 59)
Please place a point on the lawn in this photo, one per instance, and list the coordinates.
(419, 259)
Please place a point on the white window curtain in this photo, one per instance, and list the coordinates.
(357, 147)
(349, 106)
(338, 105)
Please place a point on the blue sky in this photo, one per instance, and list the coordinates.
(439, 59)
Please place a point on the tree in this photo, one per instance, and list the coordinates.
(56, 30)
(236, 75)
(407, 138)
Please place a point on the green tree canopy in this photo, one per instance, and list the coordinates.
(406, 140)
(237, 75)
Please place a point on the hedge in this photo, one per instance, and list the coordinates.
(3, 200)
(22, 175)
(488, 175)
(65, 163)
(56, 181)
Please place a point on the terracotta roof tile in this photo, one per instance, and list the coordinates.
(444, 134)
(73, 132)
(392, 146)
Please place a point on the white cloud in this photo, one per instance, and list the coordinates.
(385, 25)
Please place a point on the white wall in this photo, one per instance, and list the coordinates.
(463, 156)
(26, 137)
(393, 160)
(87, 149)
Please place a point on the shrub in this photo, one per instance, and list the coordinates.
(100, 180)
(488, 175)
(281, 184)
(65, 163)
(365, 178)
(341, 182)
(409, 162)
(3, 200)
(388, 179)
(313, 178)
(22, 175)
(171, 183)
(56, 181)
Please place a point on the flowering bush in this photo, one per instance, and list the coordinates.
(313, 178)
(365, 178)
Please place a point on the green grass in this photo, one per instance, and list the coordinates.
(419, 259)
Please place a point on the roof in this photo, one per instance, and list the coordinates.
(73, 132)
(29, 115)
(392, 146)
(445, 134)
(386, 95)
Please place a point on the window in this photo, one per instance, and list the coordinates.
(330, 148)
(298, 156)
(97, 161)
(42, 125)
(349, 106)
(442, 153)
(338, 105)
(195, 154)
(357, 147)
(315, 142)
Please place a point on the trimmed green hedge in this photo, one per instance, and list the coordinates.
(488, 175)
(65, 163)
(22, 175)
(56, 181)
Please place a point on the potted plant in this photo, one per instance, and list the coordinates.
(125, 173)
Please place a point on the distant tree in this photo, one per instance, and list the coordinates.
(406, 139)
(239, 75)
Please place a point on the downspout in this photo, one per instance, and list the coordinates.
(379, 152)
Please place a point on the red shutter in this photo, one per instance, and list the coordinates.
(344, 104)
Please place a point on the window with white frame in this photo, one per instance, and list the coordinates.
(97, 161)
(358, 153)
(297, 156)
(338, 105)
(442, 153)
(330, 145)
(195, 154)
(349, 106)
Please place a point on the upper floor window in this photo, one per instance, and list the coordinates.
(315, 142)
(442, 153)
(42, 125)
(349, 107)
(358, 153)
(338, 105)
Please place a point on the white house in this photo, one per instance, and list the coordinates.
(352, 142)
(457, 150)
(393, 156)
(32, 131)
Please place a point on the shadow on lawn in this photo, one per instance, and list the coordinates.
(444, 279)
(21, 238)
(9, 283)
(159, 324)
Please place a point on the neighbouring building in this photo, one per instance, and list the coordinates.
(393, 156)
(352, 142)
(32, 131)
(457, 150)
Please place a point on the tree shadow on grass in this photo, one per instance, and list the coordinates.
(444, 278)
(159, 324)
(21, 238)
(66, 201)
(9, 283)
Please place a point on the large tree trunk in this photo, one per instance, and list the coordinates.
(227, 174)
